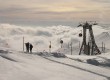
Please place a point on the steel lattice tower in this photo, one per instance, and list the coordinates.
(89, 48)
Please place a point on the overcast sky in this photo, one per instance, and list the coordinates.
(38, 11)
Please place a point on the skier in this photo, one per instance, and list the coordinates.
(31, 46)
(27, 46)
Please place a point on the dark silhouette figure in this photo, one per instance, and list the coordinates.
(27, 46)
(31, 46)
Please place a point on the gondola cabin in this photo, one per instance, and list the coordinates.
(80, 34)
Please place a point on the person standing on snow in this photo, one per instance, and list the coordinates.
(31, 46)
(27, 46)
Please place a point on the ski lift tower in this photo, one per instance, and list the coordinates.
(89, 48)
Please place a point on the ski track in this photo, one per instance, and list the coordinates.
(8, 58)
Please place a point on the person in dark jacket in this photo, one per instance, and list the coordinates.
(31, 46)
(27, 46)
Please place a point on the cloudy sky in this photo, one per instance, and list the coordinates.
(54, 11)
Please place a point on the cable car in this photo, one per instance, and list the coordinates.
(80, 34)
(95, 23)
(61, 41)
(49, 46)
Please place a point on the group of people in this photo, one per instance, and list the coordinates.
(29, 47)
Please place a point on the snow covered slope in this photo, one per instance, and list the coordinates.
(21, 66)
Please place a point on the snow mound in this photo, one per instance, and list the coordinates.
(53, 54)
(100, 60)
(58, 55)
(93, 62)
(3, 51)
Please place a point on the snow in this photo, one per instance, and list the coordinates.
(17, 65)
(20, 66)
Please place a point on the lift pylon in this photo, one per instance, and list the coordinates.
(89, 48)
